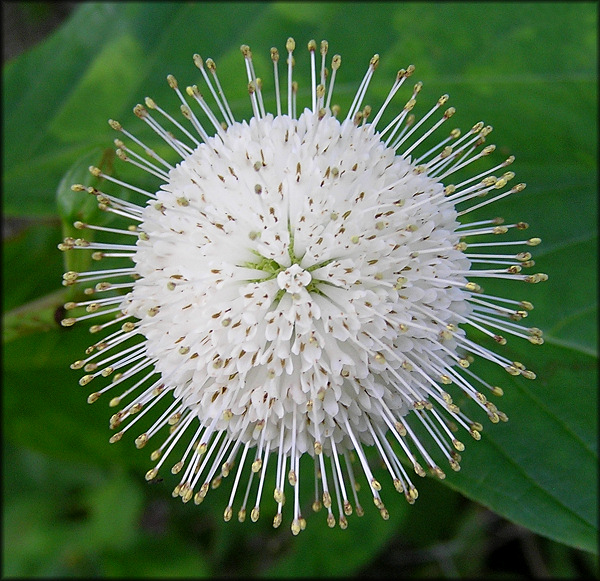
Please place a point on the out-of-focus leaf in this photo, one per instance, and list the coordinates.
(41, 390)
(540, 469)
(528, 69)
(31, 264)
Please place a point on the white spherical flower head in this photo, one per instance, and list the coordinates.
(277, 289)
(301, 287)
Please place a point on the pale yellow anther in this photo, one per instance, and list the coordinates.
(410, 104)
(93, 397)
(279, 496)
(419, 470)
(172, 81)
(374, 62)
(446, 152)
(115, 125)
(292, 478)
(177, 468)
(290, 44)
(449, 189)
(274, 54)
(85, 380)
(458, 445)
(475, 434)
(312, 45)
(437, 471)
(151, 474)
(115, 438)
(141, 441)
(198, 61)
(186, 111)
(473, 287)
(486, 130)
(443, 100)
(140, 111)
(295, 526)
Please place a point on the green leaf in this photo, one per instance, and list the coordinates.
(31, 265)
(540, 469)
(36, 371)
(529, 69)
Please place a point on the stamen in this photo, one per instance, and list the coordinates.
(290, 45)
(275, 59)
(224, 105)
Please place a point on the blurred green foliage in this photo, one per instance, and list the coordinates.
(75, 506)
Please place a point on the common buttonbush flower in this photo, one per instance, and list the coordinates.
(302, 284)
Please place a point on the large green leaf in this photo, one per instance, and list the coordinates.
(528, 69)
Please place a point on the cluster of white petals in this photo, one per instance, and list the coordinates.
(301, 285)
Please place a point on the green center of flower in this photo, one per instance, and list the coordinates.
(288, 276)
